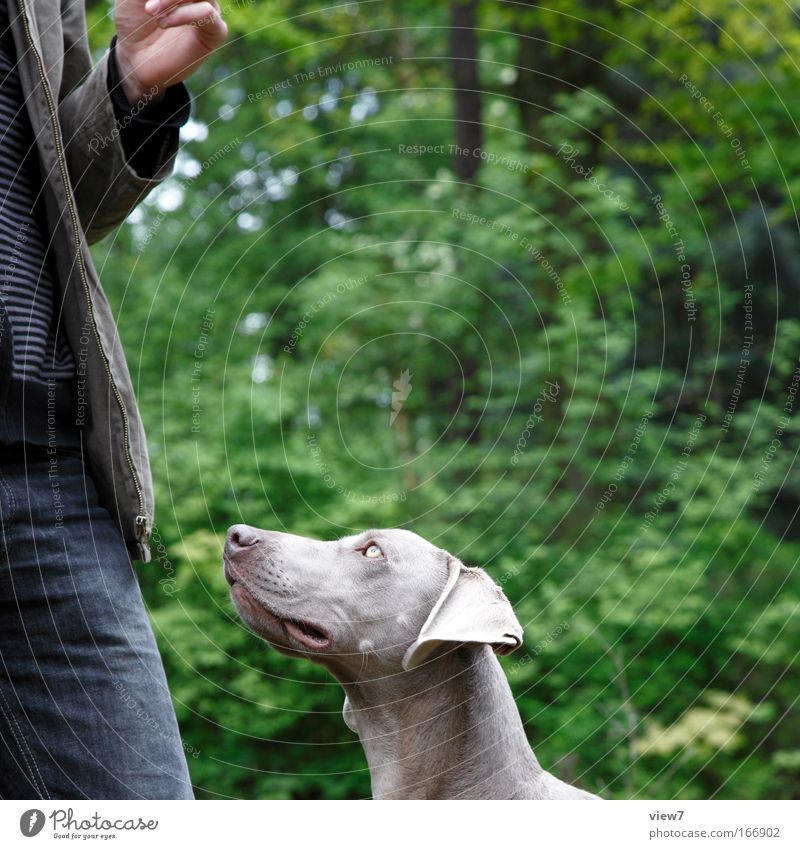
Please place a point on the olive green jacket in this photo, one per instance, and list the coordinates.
(89, 189)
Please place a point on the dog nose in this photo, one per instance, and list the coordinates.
(242, 536)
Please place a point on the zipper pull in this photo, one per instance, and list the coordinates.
(142, 534)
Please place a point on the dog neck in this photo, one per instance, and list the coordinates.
(448, 729)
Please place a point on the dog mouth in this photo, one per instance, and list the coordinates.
(262, 618)
(311, 636)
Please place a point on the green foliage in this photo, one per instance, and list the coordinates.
(273, 291)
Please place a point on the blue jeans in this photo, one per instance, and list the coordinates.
(84, 707)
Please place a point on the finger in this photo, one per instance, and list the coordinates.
(161, 7)
(204, 15)
(166, 9)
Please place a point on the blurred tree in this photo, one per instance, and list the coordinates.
(558, 324)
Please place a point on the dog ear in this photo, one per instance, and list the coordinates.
(471, 609)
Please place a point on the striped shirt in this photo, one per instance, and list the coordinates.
(27, 282)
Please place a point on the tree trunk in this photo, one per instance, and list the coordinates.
(547, 67)
(466, 89)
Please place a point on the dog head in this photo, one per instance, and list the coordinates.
(385, 599)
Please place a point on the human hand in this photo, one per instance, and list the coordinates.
(162, 42)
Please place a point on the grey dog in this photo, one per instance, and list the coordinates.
(411, 635)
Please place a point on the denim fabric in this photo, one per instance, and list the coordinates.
(84, 707)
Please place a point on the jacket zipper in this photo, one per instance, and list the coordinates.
(140, 529)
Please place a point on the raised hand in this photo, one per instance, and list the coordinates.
(162, 42)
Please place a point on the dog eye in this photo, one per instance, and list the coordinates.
(373, 551)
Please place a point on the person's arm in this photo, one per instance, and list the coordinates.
(112, 166)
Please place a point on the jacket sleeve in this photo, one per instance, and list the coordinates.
(105, 184)
(147, 135)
